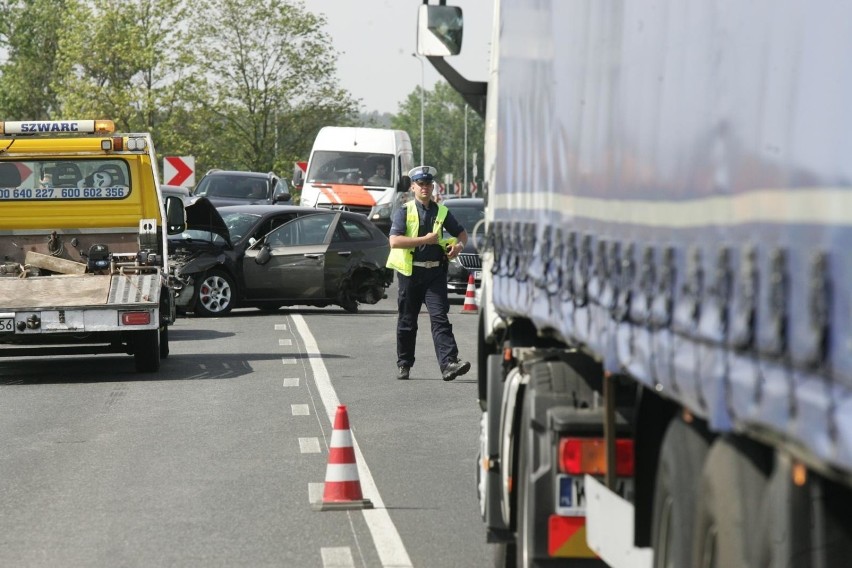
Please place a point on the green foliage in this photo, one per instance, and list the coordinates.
(271, 86)
(238, 84)
(27, 35)
(444, 138)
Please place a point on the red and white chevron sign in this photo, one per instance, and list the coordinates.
(179, 170)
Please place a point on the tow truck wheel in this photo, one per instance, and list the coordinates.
(214, 295)
(682, 456)
(146, 350)
(729, 532)
(164, 342)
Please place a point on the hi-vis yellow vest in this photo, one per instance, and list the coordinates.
(401, 259)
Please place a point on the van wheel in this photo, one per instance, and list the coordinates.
(215, 294)
(146, 350)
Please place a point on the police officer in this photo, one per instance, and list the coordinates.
(420, 256)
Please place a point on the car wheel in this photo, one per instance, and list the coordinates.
(214, 294)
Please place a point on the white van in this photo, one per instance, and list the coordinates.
(359, 169)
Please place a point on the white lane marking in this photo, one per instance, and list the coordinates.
(288, 360)
(294, 382)
(388, 543)
(280, 327)
(315, 492)
(283, 342)
(337, 557)
(309, 445)
(300, 410)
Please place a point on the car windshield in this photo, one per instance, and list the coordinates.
(353, 168)
(233, 186)
(469, 217)
(239, 224)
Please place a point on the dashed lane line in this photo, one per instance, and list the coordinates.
(300, 410)
(337, 557)
(309, 445)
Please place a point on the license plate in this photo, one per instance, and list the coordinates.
(571, 497)
(477, 275)
(7, 325)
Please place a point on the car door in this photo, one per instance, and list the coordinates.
(349, 243)
(289, 263)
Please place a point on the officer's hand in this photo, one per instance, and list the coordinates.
(455, 250)
(430, 239)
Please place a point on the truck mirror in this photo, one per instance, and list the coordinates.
(175, 215)
(403, 185)
(439, 30)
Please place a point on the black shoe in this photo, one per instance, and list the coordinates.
(402, 374)
(455, 369)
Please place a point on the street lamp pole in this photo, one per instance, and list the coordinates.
(422, 101)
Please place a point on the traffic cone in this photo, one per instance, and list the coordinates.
(469, 306)
(342, 488)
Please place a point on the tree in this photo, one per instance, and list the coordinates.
(265, 73)
(131, 67)
(444, 118)
(28, 36)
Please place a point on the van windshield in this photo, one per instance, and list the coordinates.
(351, 168)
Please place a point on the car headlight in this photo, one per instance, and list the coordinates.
(382, 211)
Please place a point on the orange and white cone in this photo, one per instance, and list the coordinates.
(469, 306)
(342, 488)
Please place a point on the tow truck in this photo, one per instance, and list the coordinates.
(83, 242)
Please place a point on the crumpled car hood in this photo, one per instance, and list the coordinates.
(201, 215)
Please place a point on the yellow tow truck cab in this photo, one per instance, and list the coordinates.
(83, 242)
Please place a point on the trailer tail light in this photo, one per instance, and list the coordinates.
(578, 456)
(136, 318)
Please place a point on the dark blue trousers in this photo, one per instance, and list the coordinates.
(429, 286)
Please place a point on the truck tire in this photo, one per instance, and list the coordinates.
(552, 384)
(164, 342)
(146, 350)
(525, 508)
(729, 532)
(682, 457)
(215, 294)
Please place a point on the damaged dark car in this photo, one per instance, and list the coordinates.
(269, 256)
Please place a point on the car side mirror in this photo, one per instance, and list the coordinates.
(404, 184)
(175, 215)
(263, 255)
(281, 197)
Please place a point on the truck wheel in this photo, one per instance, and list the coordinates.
(525, 518)
(146, 350)
(729, 532)
(481, 475)
(682, 456)
(214, 295)
(164, 342)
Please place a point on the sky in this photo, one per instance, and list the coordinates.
(376, 39)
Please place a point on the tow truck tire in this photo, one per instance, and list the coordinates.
(146, 350)
(729, 531)
(164, 342)
(682, 457)
(215, 294)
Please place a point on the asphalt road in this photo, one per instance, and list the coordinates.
(215, 460)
